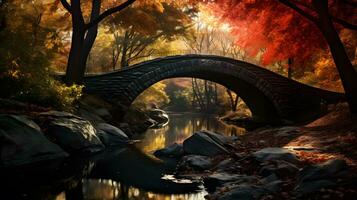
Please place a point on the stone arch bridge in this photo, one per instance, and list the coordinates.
(270, 96)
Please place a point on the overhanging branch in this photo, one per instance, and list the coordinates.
(299, 10)
(66, 5)
(109, 12)
(344, 23)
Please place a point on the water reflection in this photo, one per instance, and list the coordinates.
(180, 127)
(125, 173)
(108, 189)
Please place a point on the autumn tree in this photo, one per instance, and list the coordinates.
(133, 38)
(155, 94)
(294, 29)
(84, 33)
(24, 72)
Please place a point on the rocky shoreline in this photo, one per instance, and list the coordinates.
(268, 163)
(269, 173)
(31, 134)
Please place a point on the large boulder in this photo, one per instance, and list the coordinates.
(173, 151)
(328, 169)
(22, 142)
(275, 153)
(95, 109)
(219, 179)
(159, 116)
(278, 167)
(315, 177)
(196, 162)
(111, 135)
(73, 133)
(204, 143)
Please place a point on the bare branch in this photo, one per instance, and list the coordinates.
(344, 23)
(109, 12)
(66, 5)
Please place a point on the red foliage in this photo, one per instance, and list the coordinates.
(274, 27)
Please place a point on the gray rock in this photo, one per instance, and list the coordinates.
(227, 165)
(74, 135)
(269, 179)
(159, 116)
(126, 129)
(103, 113)
(111, 135)
(315, 177)
(56, 114)
(26, 121)
(22, 142)
(201, 143)
(196, 162)
(90, 116)
(220, 139)
(174, 151)
(222, 178)
(244, 192)
(274, 186)
(279, 167)
(287, 131)
(309, 187)
(274, 153)
(327, 170)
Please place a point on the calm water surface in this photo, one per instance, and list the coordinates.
(127, 173)
(182, 126)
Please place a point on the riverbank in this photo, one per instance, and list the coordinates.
(31, 134)
(314, 161)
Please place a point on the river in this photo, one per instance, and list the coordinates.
(125, 173)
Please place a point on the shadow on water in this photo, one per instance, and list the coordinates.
(123, 169)
(132, 167)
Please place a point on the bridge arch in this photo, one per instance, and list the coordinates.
(269, 96)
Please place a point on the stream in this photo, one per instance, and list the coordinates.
(125, 173)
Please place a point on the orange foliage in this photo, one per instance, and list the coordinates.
(275, 30)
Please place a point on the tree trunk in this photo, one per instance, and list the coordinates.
(344, 66)
(82, 42)
(198, 94)
(90, 37)
(215, 94)
(290, 70)
(233, 101)
(75, 60)
(207, 96)
(123, 61)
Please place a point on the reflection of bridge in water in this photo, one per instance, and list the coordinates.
(270, 96)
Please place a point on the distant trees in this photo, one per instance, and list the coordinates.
(154, 95)
(202, 41)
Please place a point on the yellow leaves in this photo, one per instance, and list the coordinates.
(52, 40)
(62, 96)
(15, 74)
(314, 157)
(155, 94)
